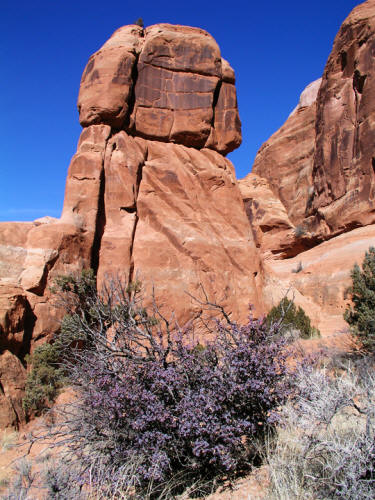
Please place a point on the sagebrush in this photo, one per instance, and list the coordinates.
(324, 446)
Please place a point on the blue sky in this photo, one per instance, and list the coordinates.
(275, 47)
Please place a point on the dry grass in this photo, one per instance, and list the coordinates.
(325, 448)
(8, 440)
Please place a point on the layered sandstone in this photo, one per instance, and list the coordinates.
(344, 165)
(286, 159)
(320, 164)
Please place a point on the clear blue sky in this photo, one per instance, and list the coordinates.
(276, 48)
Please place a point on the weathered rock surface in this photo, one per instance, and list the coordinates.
(320, 168)
(169, 220)
(344, 172)
(149, 193)
(320, 164)
(319, 278)
(272, 228)
(286, 159)
(12, 378)
(167, 83)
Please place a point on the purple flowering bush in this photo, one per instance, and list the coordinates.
(150, 394)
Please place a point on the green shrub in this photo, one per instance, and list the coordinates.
(45, 379)
(292, 318)
(139, 22)
(361, 316)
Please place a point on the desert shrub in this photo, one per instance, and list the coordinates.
(154, 400)
(361, 316)
(47, 375)
(300, 231)
(291, 318)
(45, 378)
(324, 447)
(298, 269)
(21, 481)
(139, 22)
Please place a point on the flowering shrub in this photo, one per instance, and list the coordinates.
(148, 393)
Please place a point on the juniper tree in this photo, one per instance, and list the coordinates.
(361, 315)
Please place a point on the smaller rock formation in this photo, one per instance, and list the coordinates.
(286, 159)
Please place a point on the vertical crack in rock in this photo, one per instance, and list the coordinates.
(358, 84)
(215, 100)
(138, 185)
(29, 324)
(100, 215)
(134, 76)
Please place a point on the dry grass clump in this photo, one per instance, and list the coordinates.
(8, 440)
(325, 447)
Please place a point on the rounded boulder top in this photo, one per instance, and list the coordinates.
(166, 83)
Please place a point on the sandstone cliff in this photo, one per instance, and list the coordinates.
(149, 194)
(319, 173)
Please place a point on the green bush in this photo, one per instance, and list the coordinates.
(45, 379)
(361, 316)
(292, 318)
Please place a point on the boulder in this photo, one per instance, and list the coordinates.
(166, 83)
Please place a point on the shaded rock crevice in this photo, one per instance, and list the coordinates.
(135, 211)
(99, 224)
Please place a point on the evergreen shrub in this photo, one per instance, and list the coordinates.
(292, 318)
(361, 315)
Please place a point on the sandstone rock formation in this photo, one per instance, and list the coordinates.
(344, 165)
(286, 159)
(320, 168)
(320, 163)
(167, 83)
(319, 278)
(149, 194)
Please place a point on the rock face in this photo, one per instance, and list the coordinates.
(321, 164)
(344, 165)
(319, 278)
(286, 159)
(320, 168)
(149, 194)
(167, 83)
